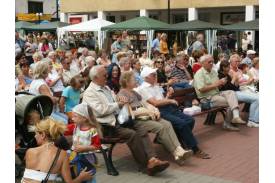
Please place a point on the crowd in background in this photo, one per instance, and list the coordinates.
(90, 87)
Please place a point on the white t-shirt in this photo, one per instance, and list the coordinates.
(59, 85)
(146, 62)
(35, 85)
(245, 44)
(216, 67)
(148, 91)
(255, 73)
(74, 67)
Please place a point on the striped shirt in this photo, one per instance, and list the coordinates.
(180, 74)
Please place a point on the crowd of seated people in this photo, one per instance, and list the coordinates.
(107, 82)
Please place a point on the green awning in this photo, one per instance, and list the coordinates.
(249, 25)
(51, 26)
(195, 25)
(139, 23)
(22, 24)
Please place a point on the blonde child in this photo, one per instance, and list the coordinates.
(86, 138)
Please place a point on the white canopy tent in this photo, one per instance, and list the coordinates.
(93, 25)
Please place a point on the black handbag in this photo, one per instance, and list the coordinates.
(206, 104)
(54, 162)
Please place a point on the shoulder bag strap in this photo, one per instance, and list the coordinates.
(54, 162)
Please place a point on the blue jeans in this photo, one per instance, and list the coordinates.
(181, 85)
(253, 100)
(182, 124)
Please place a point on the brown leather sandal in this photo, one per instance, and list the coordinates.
(156, 166)
(202, 155)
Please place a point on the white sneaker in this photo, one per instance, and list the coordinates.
(252, 124)
(181, 154)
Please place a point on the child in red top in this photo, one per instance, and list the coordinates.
(86, 138)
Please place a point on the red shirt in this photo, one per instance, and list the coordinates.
(95, 140)
(196, 67)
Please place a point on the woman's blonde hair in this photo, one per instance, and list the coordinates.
(52, 128)
(125, 78)
(163, 35)
(40, 68)
(36, 55)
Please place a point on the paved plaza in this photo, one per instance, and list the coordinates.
(235, 157)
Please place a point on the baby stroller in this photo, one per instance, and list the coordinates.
(24, 104)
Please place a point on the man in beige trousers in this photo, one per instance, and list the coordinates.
(207, 83)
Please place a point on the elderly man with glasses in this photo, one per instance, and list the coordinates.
(106, 107)
(207, 84)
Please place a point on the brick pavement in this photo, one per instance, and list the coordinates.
(235, 157)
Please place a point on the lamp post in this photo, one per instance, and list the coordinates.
(168, 11)
(57, 6)
(39, 15)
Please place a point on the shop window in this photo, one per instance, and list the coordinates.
(122, 18)
(35, 7)
(154, 17)
(180, 18)
(111, 19)
(204, 17)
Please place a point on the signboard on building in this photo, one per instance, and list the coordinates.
(232, 17)
(75, 19)
(32, 17)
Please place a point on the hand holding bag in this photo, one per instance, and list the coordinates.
(123, 115)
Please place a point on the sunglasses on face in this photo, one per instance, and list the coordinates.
(159, 62)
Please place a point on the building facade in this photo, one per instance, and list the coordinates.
(27, 9)
(216, 11)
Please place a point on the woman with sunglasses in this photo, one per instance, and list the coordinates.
(162, 78)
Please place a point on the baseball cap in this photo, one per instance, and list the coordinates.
(146, 71)
(250, 52)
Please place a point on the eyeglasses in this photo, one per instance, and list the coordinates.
(210, 62)
(159, 62)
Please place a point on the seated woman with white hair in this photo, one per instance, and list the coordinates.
(55, 80)
(89, 62)
(37, 56)
(53, 57)
(39, 86)
(125, 64)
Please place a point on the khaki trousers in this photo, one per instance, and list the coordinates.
(139, 144)
(164, 131)
(226, 98)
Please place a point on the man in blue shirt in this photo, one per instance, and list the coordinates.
(155, 44)
(19, 41)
